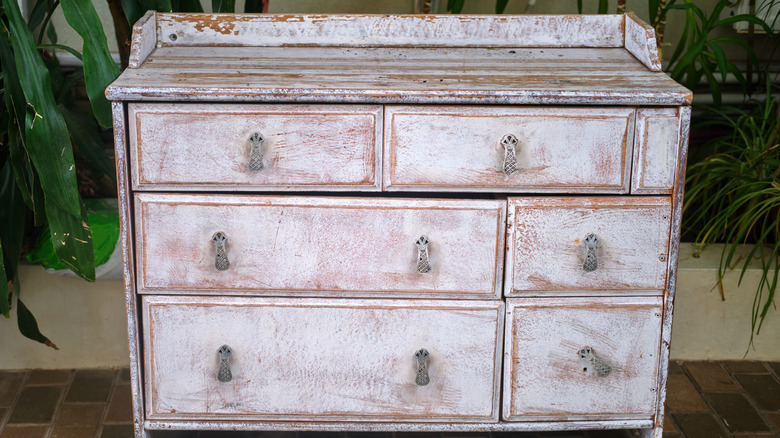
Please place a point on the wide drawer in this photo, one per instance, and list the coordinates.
(582, 150)
(319, 359)
(581, 358)
(300, 147)
(594, 244)
(319, 246)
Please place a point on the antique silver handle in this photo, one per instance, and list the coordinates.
(224, 374)
(509, 142)
(221, 261)
(601, 368)
(256, 141)
(423, 264)
(422, 378)
(591, 241)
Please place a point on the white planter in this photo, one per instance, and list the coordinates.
(708, 328)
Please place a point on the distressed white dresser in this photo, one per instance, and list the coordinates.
(407, 223)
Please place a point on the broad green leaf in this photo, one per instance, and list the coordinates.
(254, 6)
(652, 7)
(99, 68)
(455, 6)
(603, 6)
(46, 135)
(191, 5)
(37, 14)
(579, 6)
(12, 220)
(28, 326)
(86, 138)
(73, 246)
(51, 34)
(133, 10)
(720, 58)
(500, 6)
(220, 6)
(5, 305)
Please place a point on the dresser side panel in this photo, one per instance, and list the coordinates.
(128, 273)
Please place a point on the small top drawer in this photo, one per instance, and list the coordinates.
(255, 147)
(443, 148)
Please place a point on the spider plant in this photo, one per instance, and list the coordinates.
(733, 196)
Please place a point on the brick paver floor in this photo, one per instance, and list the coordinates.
(704, 400)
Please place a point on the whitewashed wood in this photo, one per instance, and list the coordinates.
(640, 41)
(656, 150)
(319, 246)
(126, 240)
(319, 359)
(144, 39)
(674, 253)
(307, 147)
(545, 250)
(572, 150)
(408, 75)
(530, 426)
(255, 30)
(544, 378)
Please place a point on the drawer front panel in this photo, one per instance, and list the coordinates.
(304, 147)
(318, 359)
(320, 246)
(459, 148)
(657, 149)
(547, 379)
(548, 245)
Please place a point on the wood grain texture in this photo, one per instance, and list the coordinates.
(545, 250)
(674, 254)
(530, 426)
(128, 268)
(544, 377)
(144, 39)
(640, 41)
(319, 359)
(401, 75)
(571, 150)
(204, 147)
(656, 150)
(319, 246)
(254, 30)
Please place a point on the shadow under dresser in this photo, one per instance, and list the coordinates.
(398, 223)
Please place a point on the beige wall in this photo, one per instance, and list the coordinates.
(87, 320)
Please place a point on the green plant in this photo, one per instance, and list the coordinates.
(733, 196)
(41, 127)
(700, 55)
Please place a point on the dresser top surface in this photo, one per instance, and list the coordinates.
(500, 62)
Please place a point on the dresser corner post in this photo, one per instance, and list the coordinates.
(119, 112)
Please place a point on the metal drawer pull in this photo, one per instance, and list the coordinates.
(601, 368)
(224, 374)
(256, 141)
(221, 261)
(510, 158)
(423, 264)
(422, 378)
(591, 261)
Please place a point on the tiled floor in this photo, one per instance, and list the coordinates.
(704, 400)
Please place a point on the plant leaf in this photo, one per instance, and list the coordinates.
(5, 305)
(500, 6)
(46, 135)
(37, 14)
(254, 6)
(720, 58)
(12, 221)
(454, 6)
(652, 8)
(188, 6)
(28, 326)
(744, 17)
(223, 6)
(133, 10)
(579, 6)
(603, 6)
(86, 138)
(99, 68)
(73, 246)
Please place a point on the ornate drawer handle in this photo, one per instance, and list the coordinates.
(591, 241)
(509, 142)
(423, 264)
(422, 378)
(224, 374)
(602, 369)
(221, 261)
(256, 141)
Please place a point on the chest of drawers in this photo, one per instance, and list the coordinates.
(398, 223)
